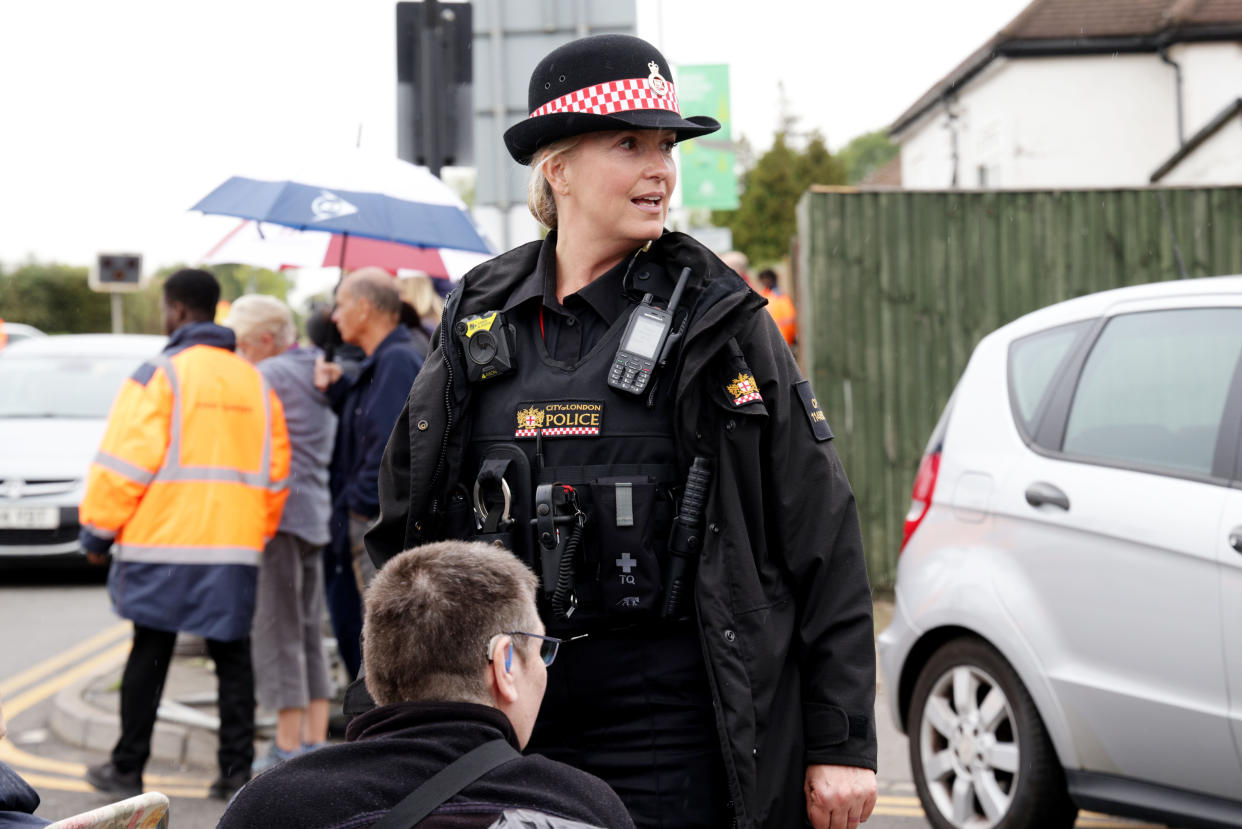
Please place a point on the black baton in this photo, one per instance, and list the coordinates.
(686, 539)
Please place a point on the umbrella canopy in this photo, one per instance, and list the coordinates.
(277, 247)
(355, 195)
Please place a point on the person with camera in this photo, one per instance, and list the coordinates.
(614, 405)
(367, 402)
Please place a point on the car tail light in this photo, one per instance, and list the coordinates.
(921, 496)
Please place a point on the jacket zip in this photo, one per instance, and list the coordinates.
(445, 344)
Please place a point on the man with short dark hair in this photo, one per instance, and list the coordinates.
(187, 488)
(456, 658)
(367, 402)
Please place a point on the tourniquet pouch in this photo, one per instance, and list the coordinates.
(618, 568)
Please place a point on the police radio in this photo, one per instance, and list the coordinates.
(487, 343)
(645, 342)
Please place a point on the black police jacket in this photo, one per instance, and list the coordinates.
(783, 604)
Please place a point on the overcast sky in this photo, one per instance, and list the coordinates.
(117, 115)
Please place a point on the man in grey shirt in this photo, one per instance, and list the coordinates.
(291, 670)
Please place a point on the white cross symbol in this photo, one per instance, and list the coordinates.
(626, 563)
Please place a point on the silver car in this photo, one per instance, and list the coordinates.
(1068, 622)
(55, 394)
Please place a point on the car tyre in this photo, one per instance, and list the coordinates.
(979, 751)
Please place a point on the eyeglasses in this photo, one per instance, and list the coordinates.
(548, 645)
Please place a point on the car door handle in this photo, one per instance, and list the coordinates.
(1235, 539)
(1040, 493)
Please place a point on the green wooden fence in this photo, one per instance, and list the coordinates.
(896, 288)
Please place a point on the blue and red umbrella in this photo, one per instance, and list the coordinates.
(355, 209)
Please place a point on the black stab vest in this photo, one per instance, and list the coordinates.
(550, 422)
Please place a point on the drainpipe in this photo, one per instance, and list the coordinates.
(1163, 50)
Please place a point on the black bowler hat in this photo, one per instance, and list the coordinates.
(603, 82)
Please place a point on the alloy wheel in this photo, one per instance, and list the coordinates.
(968, 744)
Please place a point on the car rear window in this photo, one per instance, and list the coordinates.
(1033, 362)
(1153, 390)
(62, 385)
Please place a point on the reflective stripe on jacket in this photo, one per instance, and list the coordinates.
(192, 472)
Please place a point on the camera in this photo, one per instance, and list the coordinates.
(487, 343)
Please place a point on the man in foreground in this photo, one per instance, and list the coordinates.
(455, 657)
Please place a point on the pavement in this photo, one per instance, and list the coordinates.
(86, 713)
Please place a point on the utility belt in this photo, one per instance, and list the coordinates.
(607, 542)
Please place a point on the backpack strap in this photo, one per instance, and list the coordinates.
(447, 782)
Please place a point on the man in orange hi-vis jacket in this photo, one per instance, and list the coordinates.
(187, 487)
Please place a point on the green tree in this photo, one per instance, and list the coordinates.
(765, 220)
(56, 298)
(236, 280)
(53, 298)
(866, 153)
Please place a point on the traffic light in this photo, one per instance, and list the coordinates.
(434, 82)
(116, 272)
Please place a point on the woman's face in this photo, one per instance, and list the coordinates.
(619, 184)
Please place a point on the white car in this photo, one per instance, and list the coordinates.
(55, 394)
(1068, 622)
(12, 332)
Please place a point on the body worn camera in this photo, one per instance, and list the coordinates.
(487, 343)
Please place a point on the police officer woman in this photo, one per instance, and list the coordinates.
(724, 670)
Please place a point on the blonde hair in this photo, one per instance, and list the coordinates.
(419, 292)
(539, 196)
(258, 314)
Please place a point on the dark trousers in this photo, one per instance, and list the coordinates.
(341, 595)
(142, 685)
(634, 708)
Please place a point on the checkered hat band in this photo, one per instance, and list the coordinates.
(611, 97)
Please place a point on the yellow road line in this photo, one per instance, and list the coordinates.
(897, 811)
(22, 760)
(43, 782)
(35, 672)
(900, 806)
(92, 666)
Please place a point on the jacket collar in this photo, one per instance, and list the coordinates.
(200, 333)
(397, 336)
(490, 285)
(384, 719)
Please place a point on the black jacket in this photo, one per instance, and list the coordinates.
(17, 801)
(783, 603)
(391, 750)
(368, 403)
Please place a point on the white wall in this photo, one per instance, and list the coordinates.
(1084, 121)
(1212, 78)
(1216, 161)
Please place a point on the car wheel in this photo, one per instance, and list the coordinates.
(978, 749)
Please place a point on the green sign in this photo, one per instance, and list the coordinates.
(708, 178)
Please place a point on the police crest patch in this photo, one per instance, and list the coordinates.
(743, 389)
(560, 419)
(655, 80)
